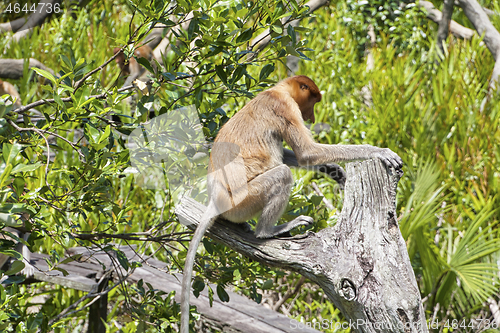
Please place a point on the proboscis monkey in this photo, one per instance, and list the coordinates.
(247, 175)
(132, 67)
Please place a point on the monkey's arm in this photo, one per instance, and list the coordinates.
(320, 153)
(308, 152)
(332, 170)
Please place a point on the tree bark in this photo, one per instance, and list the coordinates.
(361, 263)
(444, 25)
(435, 15)
(35, 19)
(13, 68)
(483, 25)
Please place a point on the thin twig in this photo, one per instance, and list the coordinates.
(131, 236)
(65, 99)
(289, 294)
(86, 76)
(327, 203)
(39, 131)
(100, 96)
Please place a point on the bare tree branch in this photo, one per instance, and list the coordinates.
(35, 19)
(444, 25)
(435, 15)
(13, 68)
(361, 263)
(483, 25)
(489, 12)
(13, 25)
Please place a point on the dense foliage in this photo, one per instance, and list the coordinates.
(66, 171)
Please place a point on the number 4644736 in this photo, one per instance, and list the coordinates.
(42, 7)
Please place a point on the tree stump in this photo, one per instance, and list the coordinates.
(361, 263)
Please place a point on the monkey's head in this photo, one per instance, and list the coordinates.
(305, 93)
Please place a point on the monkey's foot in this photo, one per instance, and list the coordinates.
(286, 227)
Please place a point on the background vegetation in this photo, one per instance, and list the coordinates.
(428, 111)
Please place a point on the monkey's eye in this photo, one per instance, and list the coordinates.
(304, 87)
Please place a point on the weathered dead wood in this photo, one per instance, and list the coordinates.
(444, 25)
(13, 68)
(35, 19)
(480, 20)
(435, 15)
(239, 315)
(13, 25)
(361, 263)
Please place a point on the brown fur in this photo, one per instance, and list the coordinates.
(131, 66)
(9, 89)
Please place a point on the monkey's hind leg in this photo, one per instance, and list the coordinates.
(278, 183)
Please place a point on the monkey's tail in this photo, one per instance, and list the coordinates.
(206, 221)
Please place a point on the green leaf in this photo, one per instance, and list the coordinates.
(15, 268)
(10, 151)
(146, 64)
(71, 258)
(62, 270)
(219, 69)
(316, 199)
(223, 296)
(12, 253)
(59, 101)
(268, 284)
(238, 73)
(93, 133)
(25, 167)
(14, 208)
(122, 259)
(291, 50)
(237, 274)
(192, 28)
(208, 246)
(266, 71)
(277, 28)
(10, 220)
(198, 286)
(45, 74)
(244, 36)
(66, 61)
(105, 135)
(292, 34)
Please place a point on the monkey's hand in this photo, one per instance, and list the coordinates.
(28, 270)
(335, 172)
(387, 156)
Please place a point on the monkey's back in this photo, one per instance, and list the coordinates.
(256, 133)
